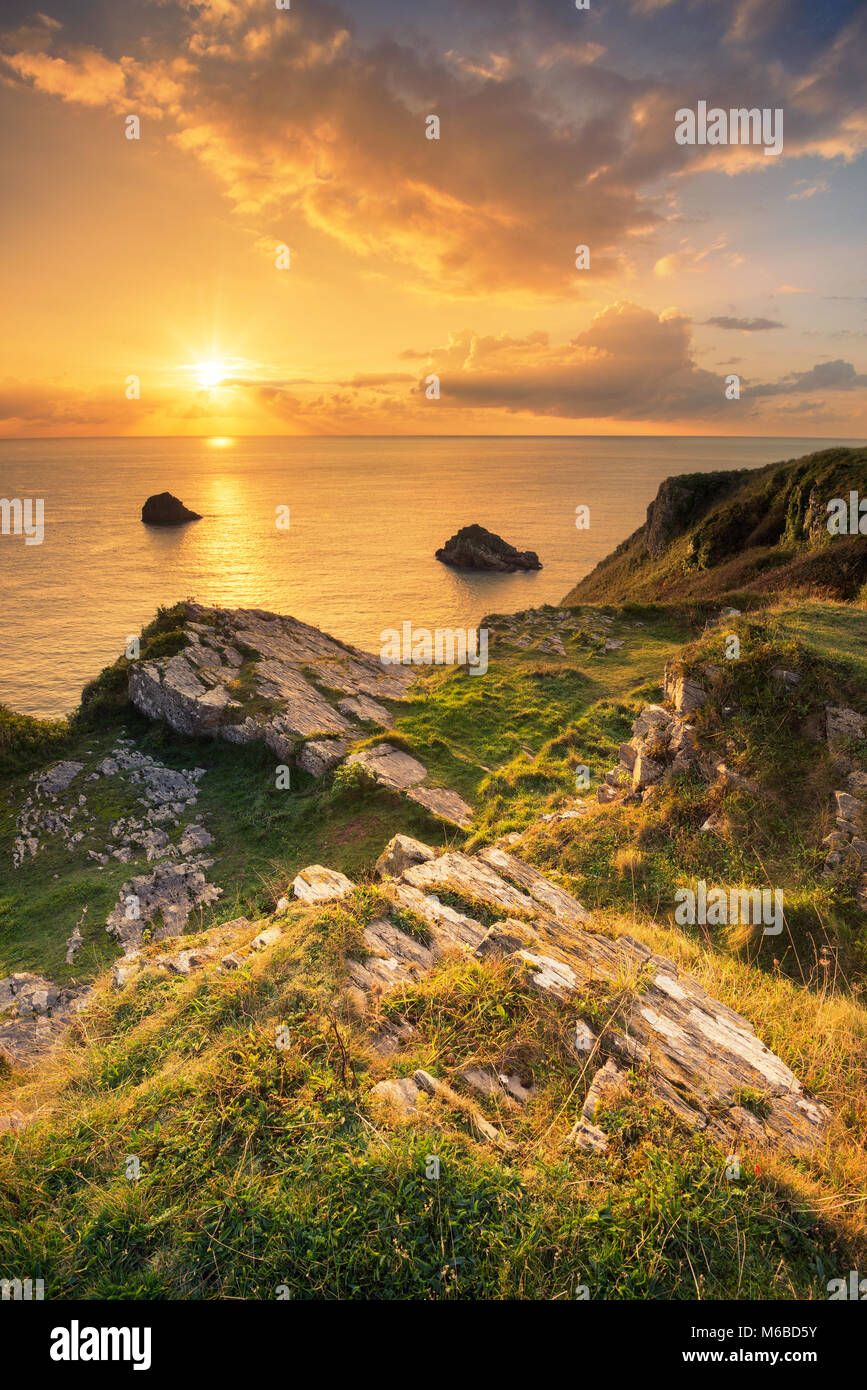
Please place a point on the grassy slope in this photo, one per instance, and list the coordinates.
(264, 1168)
(459, 725)
(752, 541)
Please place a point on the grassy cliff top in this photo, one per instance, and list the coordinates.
(736, 537)
(266, 1167)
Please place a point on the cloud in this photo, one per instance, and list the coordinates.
(629, 364)
(824, 376)
(805, 189)
(85, 77)
(295, 114)
(743, 325)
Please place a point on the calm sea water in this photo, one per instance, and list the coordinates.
(366, 517)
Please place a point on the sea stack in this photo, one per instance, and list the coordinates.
(163, 509)
(474, 548)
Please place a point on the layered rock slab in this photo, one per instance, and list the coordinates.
(701, 1059)
(248, 676)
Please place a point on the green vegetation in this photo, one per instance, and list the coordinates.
(765, 533)
(266, 1166)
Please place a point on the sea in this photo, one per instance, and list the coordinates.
(340, 533)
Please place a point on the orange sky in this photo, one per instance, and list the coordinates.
(411, 257)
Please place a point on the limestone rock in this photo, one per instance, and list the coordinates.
(368, 711)
(645, 772)
(470, 877)
(696, 1053)
(608, 1083)
(316, 884)
(686, 695)
(850, 809)
(790, 679)
(444, 804)
(842, 725)
(249, 676)
(57, 778)
(400, 853)
(194, 838)
(390, 766)
(172, 890)
(321, 755)
(35, 1014)
(73, 945)
(400, 1097)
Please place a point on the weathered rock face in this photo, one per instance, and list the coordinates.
(680, 502)
(401, 853)
(686, 695)
(165, 510)
(662, 743)
(700, 1058)
(248, 676)
(34, 1015)
(474, 548)
(393, 768)
(171, 892)
(847, 843)
(316, 884)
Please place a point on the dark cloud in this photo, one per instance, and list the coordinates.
(824, 376)
(743, 325)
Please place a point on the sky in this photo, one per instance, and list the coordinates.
(285, 250)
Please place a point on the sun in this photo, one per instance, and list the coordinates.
(210, 374)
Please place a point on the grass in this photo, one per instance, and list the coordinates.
(760, 538)
(266, 1167)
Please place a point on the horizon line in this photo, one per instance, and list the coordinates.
(49, 438)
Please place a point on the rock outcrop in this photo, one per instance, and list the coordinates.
(680, 502)
(34, 1015)
(393, 768)
(250, 676)
(661, 743)
(697, 1056)
(163, 509)
(846, 844)
(160, 902)
(474, 548)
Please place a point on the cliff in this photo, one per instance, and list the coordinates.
(439, 984)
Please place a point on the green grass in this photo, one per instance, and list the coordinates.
(266, 1168)
(757, 538)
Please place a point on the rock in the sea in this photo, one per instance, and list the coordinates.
(165, 510)
(474, 548)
